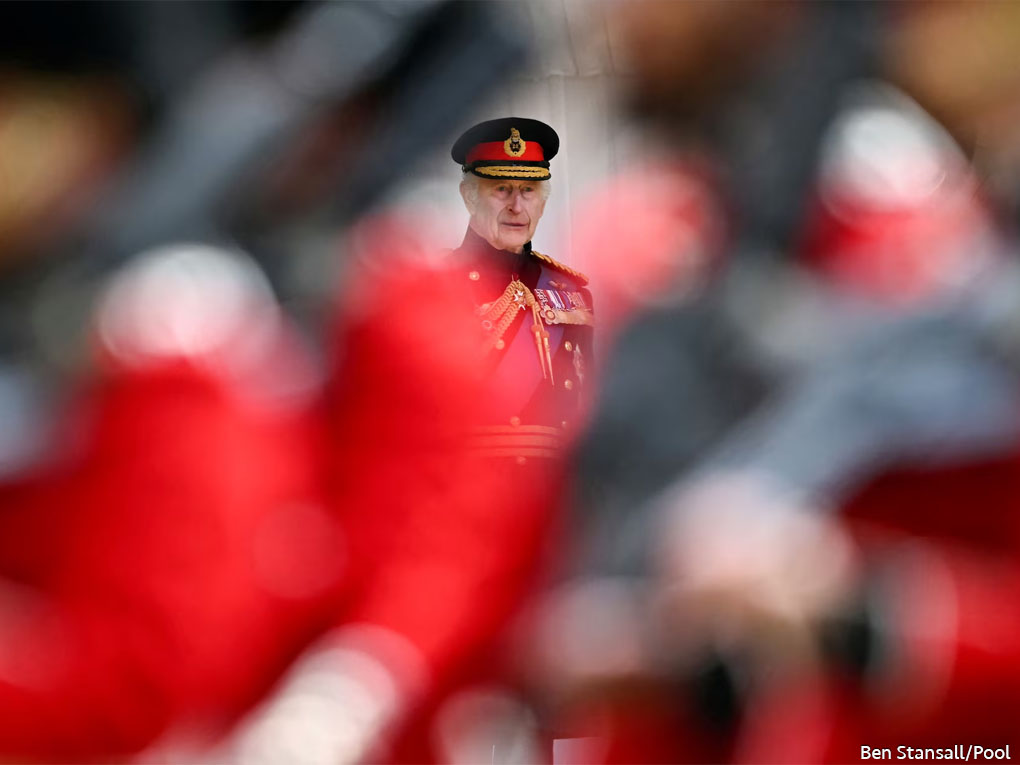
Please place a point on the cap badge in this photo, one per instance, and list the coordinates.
(514, 146)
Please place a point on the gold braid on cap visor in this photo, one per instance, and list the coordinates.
(498, 315)
(512, 171)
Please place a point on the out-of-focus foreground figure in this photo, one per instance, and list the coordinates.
(805, 541)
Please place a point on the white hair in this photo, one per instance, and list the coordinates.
(469, 187)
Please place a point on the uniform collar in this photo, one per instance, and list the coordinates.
(480, 248)
(496, 267)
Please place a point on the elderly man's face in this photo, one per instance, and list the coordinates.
(506, 213)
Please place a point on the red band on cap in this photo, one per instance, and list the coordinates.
(495, 150)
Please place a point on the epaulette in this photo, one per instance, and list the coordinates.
(560, 267)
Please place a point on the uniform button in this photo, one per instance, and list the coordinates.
(568, 345)
(500, 345)
(521, 460)
(568, 384)
(515, 421)
(473, 276)
(563, 424)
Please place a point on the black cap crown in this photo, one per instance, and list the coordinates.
(511, 147)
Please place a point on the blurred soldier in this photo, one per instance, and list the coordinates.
(169, 556)
(931, 503)
(843, 561)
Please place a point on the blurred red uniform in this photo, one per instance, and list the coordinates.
(211, 515)
(173, 553)
(446, 460)
(903, 232)
(944, 542)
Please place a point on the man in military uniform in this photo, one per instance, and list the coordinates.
(491, 527)
(446, 464)
(536, 312)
